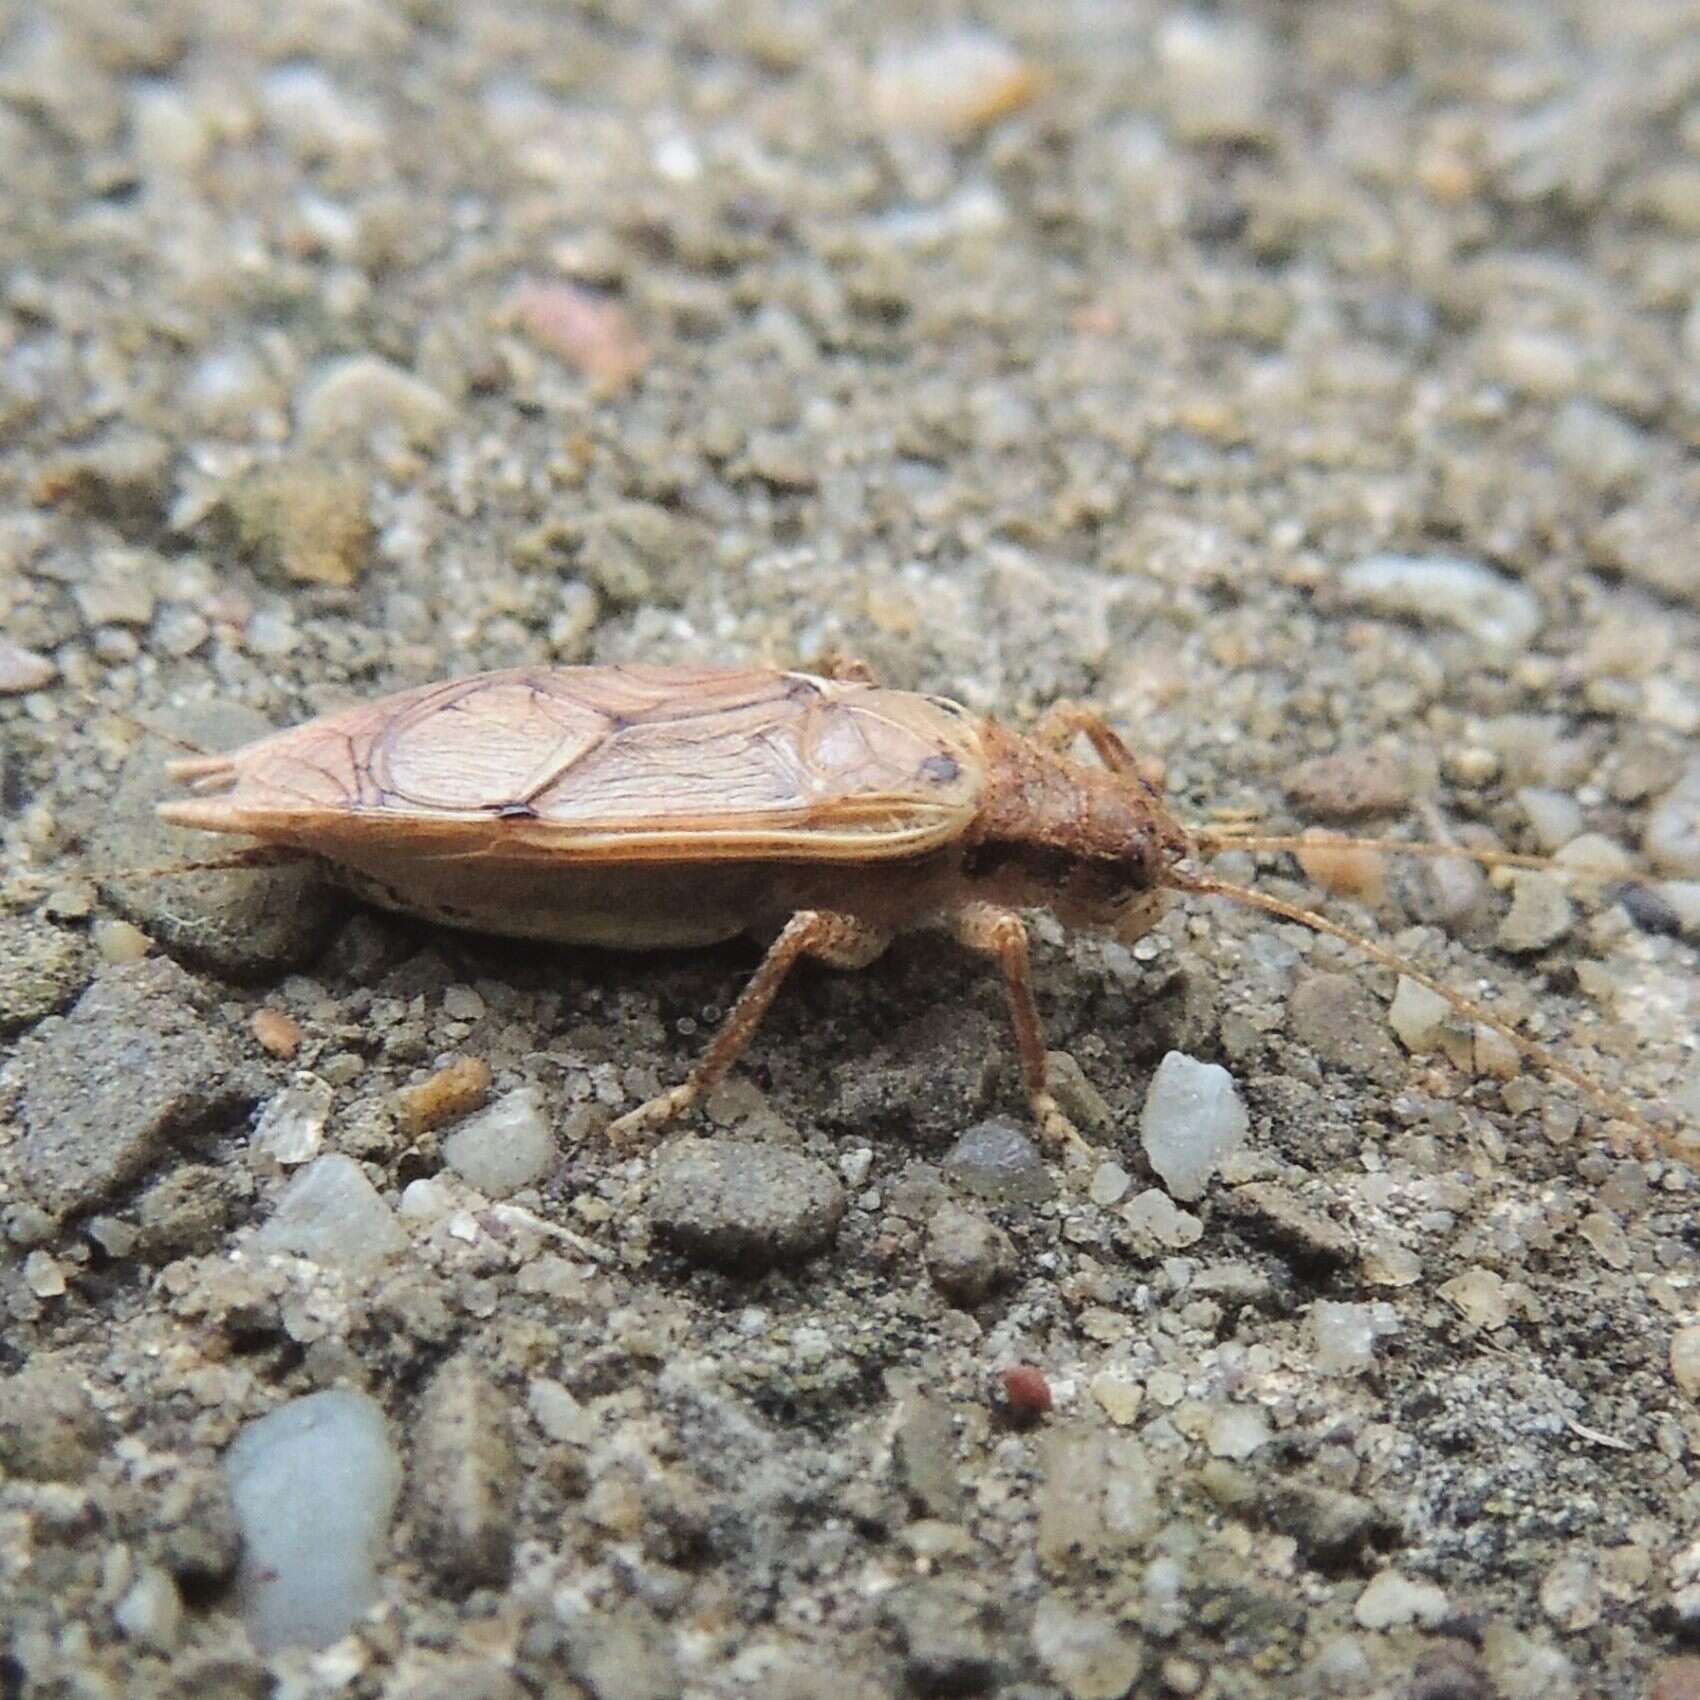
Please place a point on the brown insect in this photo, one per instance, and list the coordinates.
(647, 807)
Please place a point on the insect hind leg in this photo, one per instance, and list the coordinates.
(840, 941)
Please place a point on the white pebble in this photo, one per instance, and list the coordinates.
(1215, 78)
(1673, 828)
(152, 1611)
(1481, 1297)
(314, 1484)
(1110, 1183)
(1685, 1359)
(291, 1127)
(352, 397)
(1344, 1335)
(1192, 1118)
(1391, 1601)
(951, 84)
(505, 1146)
(313, 118)
(1449, 590)
(331, 1213)
(1153, 1212)
(1417, 1015)
(1237, 1432)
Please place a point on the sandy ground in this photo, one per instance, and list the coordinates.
(1292, 381)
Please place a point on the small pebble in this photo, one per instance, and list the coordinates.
(744, 1206)
(349, 398)
(1090, 1656)
(1350, 786)
(152, 1611)
(301, 521)
(1342, 870)
(505, 1146)
(1110, 1184)
(465, 1476)
(1481, 1297)
(314, 1484)
(1236, 1432)
(1541, 913)
(1685, 1359)
(591, 332)
(22, 670)
(1153, 1216)
(291, 1127)
(1391, 1601)
(997, 1161)
(1672, 840)
(950, 84)
(332, 1214)
(119, 942)
(1217, 77)
(1418, 1016)
(277, 1033)
(1344, 1335)
(1497, 611)
(455, 1089)
(968, 1257)
(1193, 1116)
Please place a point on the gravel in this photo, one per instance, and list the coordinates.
(100, 1094)
(1193, 1117)
(314, 1484)
(744, 1206)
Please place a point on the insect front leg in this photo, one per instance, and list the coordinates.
(1062, 722)
(840, 941)
(991, 931)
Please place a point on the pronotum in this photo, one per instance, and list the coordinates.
(644, 807)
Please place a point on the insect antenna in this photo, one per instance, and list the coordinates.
(1212, 842)
(1208, 885)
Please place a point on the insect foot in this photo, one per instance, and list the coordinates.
(633, 1129)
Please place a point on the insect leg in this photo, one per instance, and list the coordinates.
(999, 933)
(1062, 722)
(841, 941)
(835, 664)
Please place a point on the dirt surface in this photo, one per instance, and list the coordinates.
(1291, 381)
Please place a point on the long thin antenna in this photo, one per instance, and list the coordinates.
(1207, 885)
(1215, 842)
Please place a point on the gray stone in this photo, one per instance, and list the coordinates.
(49, 1428)
(1353, 785)
(1192, 1118)
(350, 398)
(1273, 1212)
(1339, 1018)
(314, 1484)
(1672, 840)
(505, 1146)
(466, 1477)
(1540, 915)
(1438, 589)
(103, 1091)
(331, 1213)
(968, 1257)
(941, 1625)
(243, 923)
(926, 1457)
(623, 1653)
(1098, 1501)
(1089, 1656)
(744, 1206)
(42, 967)
(997, 1161)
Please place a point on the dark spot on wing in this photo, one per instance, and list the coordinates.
(515, 811)
(949, 707)
(797, 686)
(941, 769)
